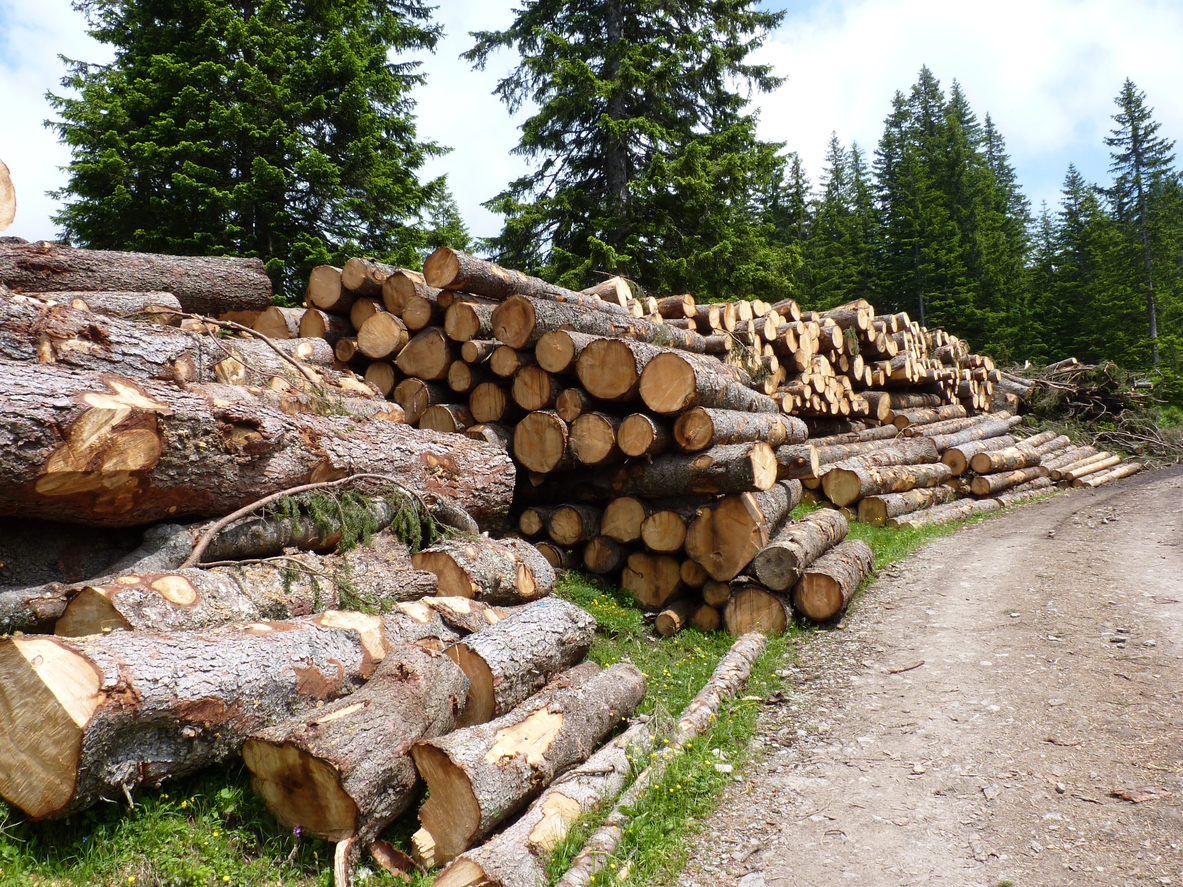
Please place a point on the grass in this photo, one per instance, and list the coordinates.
(211, 829)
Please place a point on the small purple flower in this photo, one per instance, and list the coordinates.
(296, 831)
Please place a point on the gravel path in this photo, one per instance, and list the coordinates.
(1004, 706)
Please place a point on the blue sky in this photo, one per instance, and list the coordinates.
(1046, 71)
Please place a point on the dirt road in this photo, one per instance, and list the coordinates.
(980, 714)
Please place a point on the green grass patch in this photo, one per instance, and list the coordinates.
(211, 829)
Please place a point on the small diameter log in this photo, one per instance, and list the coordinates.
(508, 662)
(419, 313)
(500, 436)
(988, 484)
(871, 481)
(1067, 457)
(558, 556)
(383, 376)
(535, 389)
(344, 771)
(877, 510)
(673, 381)
(592, 439)
(640, 434)
(653, 579)
(780, 563)
(753, 608)
(716, 593)
(706, 618)
(797, 461)
(610, 369)
(677, 616)
(981, 431)
(516, 857)
(382, 337)
(1021, 455)
(465, 321)
(1099, 478)
(427, 356)
(505, 571)
(571, 524)
(693, 574)
(944, 514)
(279, 323)
(454, 270)
(478, 351)
(532, 521)
(604, 555)
(489, 402)
(1076, 472)
(957, 458)
(402, 285)
(827, 585)
(699, 428)
(724, 538)
(663, 530)
(415, 396)
(446, 418)
(558, 350)
(540, 442)
(573, 403)
(479, 776)
(362, 310)
(208, 285)
(464, 377)
(364, 276)
(505, 361)
(97, 717)
(923, 416)
(1041, 486)
(324, 290)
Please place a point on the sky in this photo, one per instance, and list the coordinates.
(1047, 72)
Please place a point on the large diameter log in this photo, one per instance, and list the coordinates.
(610, 369)
(653, 579)
(152, 307)
(209, 285)
(364, 276)
(672, 382)
(535, 389)
(877, 510)
(1021, 455)
(843, 484)
(454, 270)
(515, 658)
(402, 285)
(427, 356)
(106, 450)
(752, 608)
(382, 337)
(957, 458)
(344, 771)
(96, 717)
(604, 555)
(827, 585)
(988, 484)
(540, 442)
(861, 480)
(558, 350)
(726, 537)
(701, 427)
(797, 461)
(479, 776)
(592, 439)
(465, 321)
(496, 571)
(517, 856)
(780, 563)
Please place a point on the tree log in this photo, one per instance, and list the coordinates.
(604, 555)
(508, 662)
(700, 427)
(677, 616)
(957, 458)
(752, 608)
(876, 510)
(1096, 479)
(985, 429)
(415, 396)
(207, 285)
(383, 337)
(843, 484)
(97, 717)
(489, 403)
(827, 585)
(504, 571)
(535, 389)
(988, 484)
(923, 416)
(622, 518)
(871, 481)
(479, 776)
(1021, 455)
(726, 537)
(111, 451)
(797, 461)
(558, 350)
(540, 442)
(571, 524)
(427, 356)
(610, 369)
(653, 579)
(944, 514)
(1076, 472)
(404, 284)
(663, 531)
(780, 563)
(672, 382)
(573, 403)
(465, 321)
(592, 439)
(447, 418)
(151, 307)
(640, 434)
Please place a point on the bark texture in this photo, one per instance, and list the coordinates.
(780, 563)
(504, 571)
(827, 585)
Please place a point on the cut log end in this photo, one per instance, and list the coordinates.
(300, 790)
(481, 703)
(451, 814)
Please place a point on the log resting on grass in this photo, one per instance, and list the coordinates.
(753, 608)
(496, 571)
(209, 285)
(827, 585)
(876, 510)
(780, 563)
(725, 537)
(479, 776)
(944, 514)
(513, 659)
(90, 718)
(677, 615)
(653, 579)
(110, 451)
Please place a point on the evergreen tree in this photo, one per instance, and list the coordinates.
(278, 129)
(1142, 165)
(828, 254)
(646, 162)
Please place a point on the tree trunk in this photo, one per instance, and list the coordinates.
(573, 403)
(871, 481)
(1096, 479)
(558, 350)
(1021, 455)
(427, 356)
(1076, 472)
(540, 442)
(532, 521)
(465, 321)
(453, 270)
(780, 563)
(988, 484)
(490, 403)
(96, 717)
(943, 514)
(797, 461)
(957, 458)
(643, 435)
(508, 662)
(663, 531)
(725, 538)
(151, 307)
(520, 322)
(985, 429)
(535, 389)
(603, 555)
(653, 579)
(447, 418)
(207, 285)
(383, 337)
(419, 313)
(504, 571)
(923, 416)
(415, 396)
(610, 369)
(110, 451)
(344, 770)
(479, 776)
(876, 510)
(843, 484)
(752, 608)
(672, 382)
(700, 427)
(827, 585)
(506, 361)
(622, 518)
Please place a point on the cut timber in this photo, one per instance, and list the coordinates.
(957, 458)
(923, 416)
(557, 556)
(706, 618)
(402, 285)
(364, 276)
(570, 524)
(1021, 455)
(382, 337)
(453, 270)
(827, 585)
(504, 571)
(96, 717)
(362, 310)
(988, 484)
(944, 514)
(643, 435)
(516, 857)
(105, 450)
(159, 308)
(863, 480)
(427, 356)
(610, 369)
(780, 563)
(604, 555)
(797, 461)
(324, 290)
(672, 382)
(622, 518)
(465, 321)
(725, 537)
(415, 396)
(540, 442)
(843, 484)
(677, 616)
(876, 510)
(985, 429)
(383, 376)
(447, 418)
(508, 662)
(592, 439)
(500, 436)
(558, 350)
(752, 608)
(418, 313)
(653, 579)
(532, 521)
(344, 771)
(716, 594)
(279, 323)
(700, 427)
(1096, 479)
(490, 402)
(479, 776)
(535, 389)
(1076, 472)
(206, 285)
(506, 361)
(573, 403)
(521, 322)
(663, 530)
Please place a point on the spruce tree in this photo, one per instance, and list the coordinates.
(646, 162)
(279, 129)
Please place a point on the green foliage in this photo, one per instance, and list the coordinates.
(281, 130)
(646, 164)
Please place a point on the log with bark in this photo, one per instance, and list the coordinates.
(700, 427)
(877, 510)
(1096, 479)
(674, 381)
(677, 615)
(640, 434)
(207, 285)
(863, 481)
(653, 579)
(592, 438)
(986, 428)
(943, 514)
(97, 717)
(751, 607)
(151, 307)
(780, 563)
(957, 458)
(827, 585)
(113, 451)
(1019, 455)
(479, 776)
(725, 537)
(571, 524)
(514, 658)
(988, 484)
(496, 571)
(843, 484)
(604, 555)
(663, 531)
